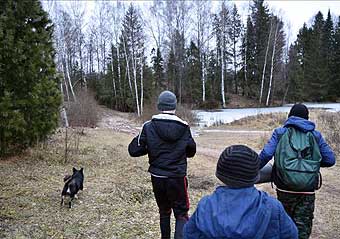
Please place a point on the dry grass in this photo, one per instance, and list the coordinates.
(117, 201)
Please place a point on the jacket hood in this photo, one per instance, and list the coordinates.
(234, 213)
(169, 127)
(300, 123)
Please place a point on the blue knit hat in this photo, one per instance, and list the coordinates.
(166, 101)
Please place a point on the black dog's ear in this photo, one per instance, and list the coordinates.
(81, 170)
(74, 170)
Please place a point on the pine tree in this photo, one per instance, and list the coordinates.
(29, 96)
(249, 83)
(158, 71)
(335, 84)
(234, 34)
(194, 91)
(315, 71)
(327, 53)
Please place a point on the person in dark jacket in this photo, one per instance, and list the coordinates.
(299, 205)
(237, 210)
(168, 142)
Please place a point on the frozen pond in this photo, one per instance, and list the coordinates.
(208, 118)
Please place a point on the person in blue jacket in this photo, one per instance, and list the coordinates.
(237, 210)
(299, 205)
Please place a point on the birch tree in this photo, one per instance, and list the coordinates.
(133, 40)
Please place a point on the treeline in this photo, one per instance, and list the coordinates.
(314, 61)
(202, 56)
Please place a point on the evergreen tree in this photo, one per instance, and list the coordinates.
(29, 96)
(261, 22)
(315, 71)
(193, 89)
(234, 34)
(328, 54)
(158, 71)
(335, 84)
(249, 84)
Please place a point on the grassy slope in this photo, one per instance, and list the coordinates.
(117, 201)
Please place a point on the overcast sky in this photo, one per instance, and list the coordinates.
(294, 13)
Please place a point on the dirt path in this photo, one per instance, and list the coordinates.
(117, 121)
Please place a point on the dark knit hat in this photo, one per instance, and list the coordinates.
(166, 101)
(238, 166)
(299, 110)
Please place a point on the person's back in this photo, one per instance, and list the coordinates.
(299, 204)
(238, 209)
(168, 142)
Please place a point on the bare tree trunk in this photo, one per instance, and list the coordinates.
(127, 68)
(222, 79)
(119, 71)
(69, 79)
(136, 87)
(65, 82)
(141, 87)
(113, 79)
(203, 79)
(272, 66)
(265, 62)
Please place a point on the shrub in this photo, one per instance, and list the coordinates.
(83, 112)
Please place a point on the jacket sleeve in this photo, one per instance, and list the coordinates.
(191, 146)
(288, 228)
(190, 230)
(138, 146)
(328, 156)
(269, 149)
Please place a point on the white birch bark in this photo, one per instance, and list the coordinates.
(119, 71)
(135, 86)
(113, 79)
(69, 78)
(203, 79)
(265, 62)
(222, 78)
(127, 67)
(65, 82)
(141, 87)
(272, 65)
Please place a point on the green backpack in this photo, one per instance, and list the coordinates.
(297, 162)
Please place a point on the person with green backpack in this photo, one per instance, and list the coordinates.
(299, 151)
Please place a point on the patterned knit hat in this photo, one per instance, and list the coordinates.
(238, 166)
(166, 101)
(299, 110)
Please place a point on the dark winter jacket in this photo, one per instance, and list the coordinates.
(328, 157)
(168, 142)
(243, 213)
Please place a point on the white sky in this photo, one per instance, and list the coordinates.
(294, 13)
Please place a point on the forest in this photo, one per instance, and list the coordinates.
(126, 53)
(202, 50)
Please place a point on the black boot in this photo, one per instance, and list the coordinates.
(179, 227)
(165, 227)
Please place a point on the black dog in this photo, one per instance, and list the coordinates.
(72, 185)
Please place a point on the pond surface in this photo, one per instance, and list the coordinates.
(224, 116)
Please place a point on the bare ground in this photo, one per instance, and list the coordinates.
(117, 201)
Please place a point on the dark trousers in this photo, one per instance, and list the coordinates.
(171, 195)
(300, 207)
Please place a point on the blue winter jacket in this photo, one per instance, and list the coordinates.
(328, 157)
(242, 213)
